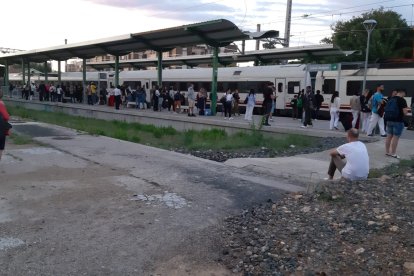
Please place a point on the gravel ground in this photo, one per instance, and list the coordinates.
(221, 156)
(359, 228)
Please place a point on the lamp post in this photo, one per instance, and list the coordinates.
(369, 26)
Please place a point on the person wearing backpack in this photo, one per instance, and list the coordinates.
(365, 111)
(376, 116)
(394, 113)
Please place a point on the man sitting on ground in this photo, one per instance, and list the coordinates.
(356, 166)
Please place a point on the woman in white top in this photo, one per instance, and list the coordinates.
(251, 101)
(334, 106)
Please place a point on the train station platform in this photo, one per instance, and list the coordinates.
(303, 168)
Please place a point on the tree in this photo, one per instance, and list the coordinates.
(391, 38)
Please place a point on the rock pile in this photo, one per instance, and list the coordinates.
(359, 228)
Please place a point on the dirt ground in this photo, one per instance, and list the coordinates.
(86, 205)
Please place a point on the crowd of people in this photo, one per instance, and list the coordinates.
(368, 110)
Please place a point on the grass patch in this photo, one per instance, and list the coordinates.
(393, 169)
(20, 139)
(168, 137)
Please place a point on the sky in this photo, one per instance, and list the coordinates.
(34, 24)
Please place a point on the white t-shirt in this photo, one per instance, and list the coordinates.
(357, 160)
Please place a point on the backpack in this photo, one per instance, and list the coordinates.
(299, 103)
(176, 96)
(392, 112)
(369, 103)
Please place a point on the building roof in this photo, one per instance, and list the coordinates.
(264, 56)
(215, 33)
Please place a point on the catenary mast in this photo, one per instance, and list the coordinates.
(288, 22)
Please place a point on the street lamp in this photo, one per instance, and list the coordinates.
(369, 26)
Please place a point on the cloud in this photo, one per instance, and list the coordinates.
(194, 11)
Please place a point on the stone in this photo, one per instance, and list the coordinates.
(409, 267)
(394, 228)
(384, 178)
(306, 209)
(359, 251)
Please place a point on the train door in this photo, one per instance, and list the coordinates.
(280, 85)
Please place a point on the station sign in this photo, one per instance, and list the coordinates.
(322, 67)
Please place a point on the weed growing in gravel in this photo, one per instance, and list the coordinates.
(393, 169)
(168, 137)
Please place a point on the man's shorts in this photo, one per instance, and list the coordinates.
(395, 128)
(191, 103)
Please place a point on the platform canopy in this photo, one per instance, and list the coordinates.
(216, 33)
(265, 56)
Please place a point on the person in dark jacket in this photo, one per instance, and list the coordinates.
(267, 103)
(365, 111)
(318, 100)
(308, 101)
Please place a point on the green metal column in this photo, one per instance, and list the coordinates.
(116, 71)
(28, 72)
(84, 80)
(214, 82)
(6, 74)
(23, 72)
(59, 73)
(159, 68)
(46, 71)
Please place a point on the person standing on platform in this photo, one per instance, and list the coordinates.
(395, 110)
(365, 111)
(117, 94)
(267, 103)
(111, 98)
(308, 101)
(300, 105)
(319, 99)
(227, 104)
(42, 91)
(272, 110)
(334, 107)
(355, 104)
(251, 101)
(236, 99)
(177, 101)
(93, 93)
(191, 96)
(376, 117)
(294, 106)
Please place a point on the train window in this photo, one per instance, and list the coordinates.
(293, 87)
(352, 87)
(280, 87)
(389, 85)
(329, 86)
(237, 73)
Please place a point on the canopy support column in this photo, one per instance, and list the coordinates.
(59, 73)
(159, 68)
(116, 71)
(84, 80)
(46, 71)
(214, 82)
(29, 73)
(23, 72)
(6, 74)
